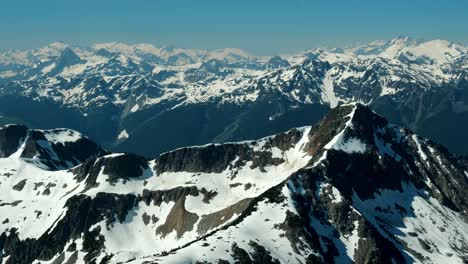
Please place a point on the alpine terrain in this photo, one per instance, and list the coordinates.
(126, 97)
(350, 188)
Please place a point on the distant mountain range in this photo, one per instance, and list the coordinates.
(352, 188)
(148, 100)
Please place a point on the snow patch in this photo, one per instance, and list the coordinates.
(123, 135)
(328, 94)
(61, 135)
(418, 145)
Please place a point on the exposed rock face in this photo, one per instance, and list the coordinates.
(116, 167)
(212, 158)
(166, 196)
(124, 166)
(327, 128)
(216, 157)
(10, 139)
(352, 188)
(213, 220)
(178, 220)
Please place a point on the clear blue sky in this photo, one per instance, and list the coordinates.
(258, 26)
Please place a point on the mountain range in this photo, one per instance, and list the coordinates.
(352, 188)
(147, 100)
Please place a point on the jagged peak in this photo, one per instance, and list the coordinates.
(347, 127)
(351, 137)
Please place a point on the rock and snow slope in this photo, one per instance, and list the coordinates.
(49, 149)
(350, 188)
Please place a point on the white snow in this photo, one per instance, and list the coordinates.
(328, 94)
(74, 70)
(25, 216)
(388, 90)
(418, 145)
(47, 69)
(123, 134)
(350, 145)
(62, 135)
(333, 194)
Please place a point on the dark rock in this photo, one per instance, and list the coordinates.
(20, 185)
(217, 158)
(240, 255)
(146, 218)
(324, 131)
(261, 255)
(10, 139)
(374, 248)
(208, 195)
(122, 167)
(212, 158)
(172, 195)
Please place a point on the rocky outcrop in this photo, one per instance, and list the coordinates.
(212, 158)
(165, 196)
(259, 254)
(178, 220)
(116, 167)
(10, 139)
(216, 219)
(219, 157)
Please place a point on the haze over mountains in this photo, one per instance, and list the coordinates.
(148, 100)
(352, 188)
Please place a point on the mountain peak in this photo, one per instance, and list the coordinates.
(51, 149)
(116, 46)
(404, 40)
(69, 54)
(354, 120)
(59, 45)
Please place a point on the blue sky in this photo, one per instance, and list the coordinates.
(258, 26)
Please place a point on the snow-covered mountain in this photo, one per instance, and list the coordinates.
(48, 149)
(351, 188)
(120, 95)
